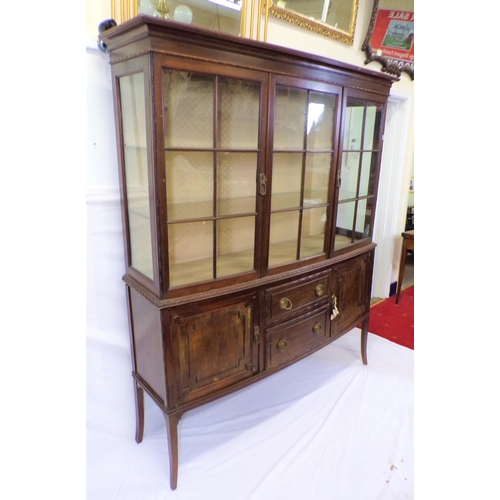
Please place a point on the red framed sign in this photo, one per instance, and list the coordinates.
(393, 36)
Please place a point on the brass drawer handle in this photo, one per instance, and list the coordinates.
(317, 328)
(319, 290)
(285, 304)
(282, 345)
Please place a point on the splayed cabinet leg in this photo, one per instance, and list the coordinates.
(364, 340)
(139, 413)
(173, 447)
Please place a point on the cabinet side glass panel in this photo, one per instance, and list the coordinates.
(133, 110)
(211, 160)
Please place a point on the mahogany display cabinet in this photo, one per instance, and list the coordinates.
(249, 177)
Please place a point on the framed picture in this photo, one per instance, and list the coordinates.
(390, 38)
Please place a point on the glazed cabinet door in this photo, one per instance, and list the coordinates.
(357, 177)
(213, 347)
(211, 159)
(351, 292)
(301, 154)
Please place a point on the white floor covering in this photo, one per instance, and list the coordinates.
(327, 427)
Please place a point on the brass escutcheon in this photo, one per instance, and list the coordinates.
(317, 328)
(285, 304)
(320, 290)
(282, 345)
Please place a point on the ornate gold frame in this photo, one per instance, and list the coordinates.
(317, 27)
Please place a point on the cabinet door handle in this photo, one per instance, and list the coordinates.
(285, 304)
(319, 290)
(262, 184)
(282, 345)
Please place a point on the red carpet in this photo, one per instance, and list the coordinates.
(394, 322)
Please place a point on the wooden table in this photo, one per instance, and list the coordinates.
(408, 244)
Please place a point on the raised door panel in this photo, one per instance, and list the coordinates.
(351, 292)
(215, 347)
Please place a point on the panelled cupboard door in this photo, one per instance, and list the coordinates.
(214, 346)
(302, 152)
(211, 157)
(351, 292)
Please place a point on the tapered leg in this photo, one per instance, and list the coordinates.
(173, 447)
(139, 412)
(364, 340)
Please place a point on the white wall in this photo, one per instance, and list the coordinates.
(397, 168)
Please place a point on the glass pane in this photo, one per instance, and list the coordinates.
(283, 238)
(345, 223)
(190, 185)
(290, 118)
(372, 126)
(368, 174)
(320, 119)
(190, 252)
(189, 109)
(353, 124)
(349, 175)
(236, 183)
(235, 245)
(313, 232)
(363, 220)
(317, 178)
(287, 180)
(239, 105)
(133, 106)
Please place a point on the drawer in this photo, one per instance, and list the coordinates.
(294, 297)
(294, 339)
